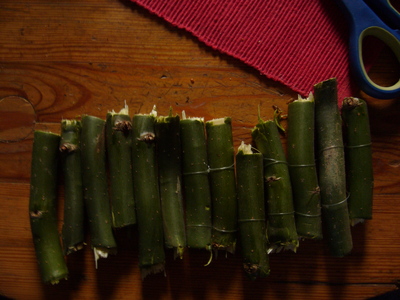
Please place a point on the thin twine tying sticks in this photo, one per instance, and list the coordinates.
(198, 225)
(225, 230)
(304, 165)
(250, 220)
(330, 147)
(274, 161)
(327, 206)
(209, 170)
(281, 214)
(359, 146)
(308, 215)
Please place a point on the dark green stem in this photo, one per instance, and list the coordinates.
(281, 227)
(73, 227)
(331, 168)
(167, 131)
(222, 181)
(196, 184)
(95, 186)
(147, 196)
(119, 148)
(358, 157)
(302, 168)
(251, 212)
(42, 207)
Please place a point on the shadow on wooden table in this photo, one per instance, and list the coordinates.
(338, 267)
(117, 268)
(76, 278)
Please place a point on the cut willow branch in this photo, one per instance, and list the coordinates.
(281, 227)
(195, 183)
(119, 148)
(147, 195)
(95, 187)
(73, 227)
(331, 168)
(302, 168)
(222, 181)
(167, 131)
(251, 212)
(42, 207)
(358, 157)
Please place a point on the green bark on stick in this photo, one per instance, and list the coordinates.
(251, 212)
(302, 168)
(196, 186)
(281, 227)
(167, 130)
(95, 187)
(222, 181)
(331, 168)
(42, 207)
(147, 195)
(358, 157)
(73, 227)
(119, 155)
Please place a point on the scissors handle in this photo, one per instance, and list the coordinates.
(385, 10)
(364, 22)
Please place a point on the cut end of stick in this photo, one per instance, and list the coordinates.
(154, 112)
(330, 81)
(74, 248)
(228, 249)
(123, 111)
(155, 269)
(354, 222)
(310, 98)
(185, 117)
(57, 279)
(351, 103)
(178, 252)
(218, 121)
(254, 271)
(65, 123)
(276, 248)
(245, 148)
(100, 252)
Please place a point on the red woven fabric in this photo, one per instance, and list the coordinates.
(297, 42)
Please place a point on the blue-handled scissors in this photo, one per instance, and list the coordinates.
(376, 18)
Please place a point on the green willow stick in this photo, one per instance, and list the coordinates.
(358, 157)
(251, 212)
(281, 227)
(196, 187)
(302, 168)
(119, 148)
(222, 181)
(331, 168)
(95, 187)
(73, 227)
(42, 207)
(167, 130)
(147, 195)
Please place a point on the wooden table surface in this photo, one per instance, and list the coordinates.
(61, 59)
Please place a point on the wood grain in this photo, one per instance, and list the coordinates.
(68, 58)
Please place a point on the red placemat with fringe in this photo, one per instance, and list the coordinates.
(298, 42)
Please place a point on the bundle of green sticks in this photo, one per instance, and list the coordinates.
(179, 181)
